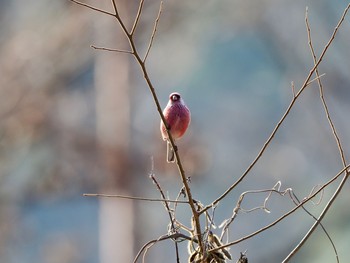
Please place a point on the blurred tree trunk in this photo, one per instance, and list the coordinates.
(113, 135)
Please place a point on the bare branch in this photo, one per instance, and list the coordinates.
(137, 18)
(93, 8)
(122, 25)
(321, 196)
(154, 32)
(293, 88)
(115, 8)
(137, 198)
(318, 77)
(111, 49)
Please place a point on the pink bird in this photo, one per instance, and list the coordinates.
(178, 117)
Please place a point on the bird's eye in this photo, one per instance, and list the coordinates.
(175, 97)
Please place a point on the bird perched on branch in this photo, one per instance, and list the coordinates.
(178, 117)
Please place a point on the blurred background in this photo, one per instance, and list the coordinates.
(74, 120)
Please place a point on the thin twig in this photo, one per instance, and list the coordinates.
(93, 8)
(296, 202)
(115, 8)
(284, 115)
(226, 224)
(318, 77)
(137, 198)
(319, 219)
(120, 21)
(162, 238)
(153, 32)
(181, 192)
(321, 195)
(111, 49)
(263, 207)
(137, 18)
(166, 204)
(293, 88)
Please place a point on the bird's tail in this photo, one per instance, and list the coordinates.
(170, 153)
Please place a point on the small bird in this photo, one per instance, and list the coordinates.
(178, 117)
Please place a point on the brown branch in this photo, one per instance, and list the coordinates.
(115, 8)
(153, 32)
(317, 78)
(93, 8)
(304, 85)
(293, 88)
(321, 197)
(137, 198)
(141, 63)
(137, 18)
(121, 23)
(111, 49)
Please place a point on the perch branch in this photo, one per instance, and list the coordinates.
(141, 63)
